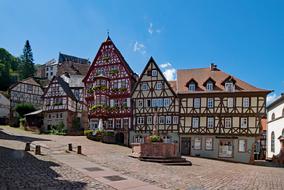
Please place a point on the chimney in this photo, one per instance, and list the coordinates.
(213, 67)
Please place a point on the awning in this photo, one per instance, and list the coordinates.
(34, 113)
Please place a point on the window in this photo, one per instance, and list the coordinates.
(272, 142)
(61, 115)
(230, 102)
(229, 87)
(208, 143)
(168, 119)
(210, 102)
(51, 73)
(225, 149)
(209, 86)
(196, 102)
(139, 103)
(210, 122)
(175, 120)
(246, 102)
(228, 122)
(157, 102)
(49, 116)
(138, 139)
(124, 103)
(273, 116)
(244, 122)
(242, 145)
(125, 123)
(29, 88)
(166, 139)
(159, 85)
(144, 86)
(154, 73)
(195, 122)
(167, 102)
(110, 123)
(149, 119)
(161, 119)
(197, 143)
(148, 103)
(191, 87)
(118, 123)
(140, 120)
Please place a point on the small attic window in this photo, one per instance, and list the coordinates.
(229, 86)
(192, 86)
(209, 86)
(154, 73)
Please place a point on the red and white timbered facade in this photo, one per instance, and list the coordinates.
(108, 86)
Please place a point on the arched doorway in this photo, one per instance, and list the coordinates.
(119, 138)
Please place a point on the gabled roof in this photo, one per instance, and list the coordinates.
(65, 86)
(29, 80)
(73, 68)
(151, 60)
(201, 75)
(108, 41)
(69, 58)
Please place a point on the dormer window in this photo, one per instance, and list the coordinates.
(192, 87)
(229, 87)
(209, 86)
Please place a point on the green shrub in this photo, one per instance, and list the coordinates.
(88, 132)
(155, 138)
(24, 108)
(22, 122)
(58, 129)
(108, 133)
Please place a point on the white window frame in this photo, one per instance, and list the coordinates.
(228, 122)
(140, 120)
(159, 86)
(139, 103)
(161, 119)
(168, 119)
(192, 87)
(210, 122)
(175, 119)
(209, 86)
(144, 86)
(242, 147)
(244, 122)
(230, 102)
(195, 122)
(210, 103)
(197, 143)
(246, 102)
(154, 73)
(229, 87)
(167, 102)
(149, 119)
(196, 102)
(208, 143)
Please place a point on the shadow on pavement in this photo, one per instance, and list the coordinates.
(21, 170)
(6, 136)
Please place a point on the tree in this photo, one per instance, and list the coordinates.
(24, 108)
(27, 68)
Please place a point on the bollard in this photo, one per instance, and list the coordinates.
(70, 147)
(79, 150)
(37, 150)
(28, 146)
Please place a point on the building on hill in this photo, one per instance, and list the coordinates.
(66, 63)
(63, 102)
(24, 91)
(4, 109)
(155, 106)
(275, 127)
(108, 84)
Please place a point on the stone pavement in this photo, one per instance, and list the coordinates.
(203, 174)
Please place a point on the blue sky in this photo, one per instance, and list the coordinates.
(244, 38)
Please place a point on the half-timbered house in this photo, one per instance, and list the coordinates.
(108, 86)
(220, 115)
(155, 106)
(64, 102)
(25, 91)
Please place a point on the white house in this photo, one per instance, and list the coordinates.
(275, 128)
(4, 108)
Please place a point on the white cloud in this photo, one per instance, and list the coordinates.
(270, 98)
(169, 71)
(139, 47)
(152, 30)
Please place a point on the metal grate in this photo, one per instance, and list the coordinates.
(93, 169)
(115, 178)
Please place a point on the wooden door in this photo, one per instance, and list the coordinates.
(185, 146)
